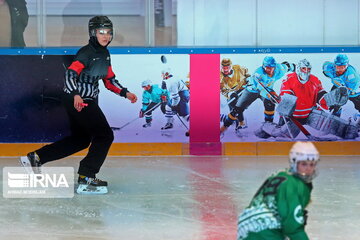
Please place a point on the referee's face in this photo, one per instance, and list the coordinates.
(104, 36)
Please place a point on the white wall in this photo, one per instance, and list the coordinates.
(92, 7)
(268, 22)
(239, 22)
(341, 22)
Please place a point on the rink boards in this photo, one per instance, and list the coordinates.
(34, 116)
(171, 149)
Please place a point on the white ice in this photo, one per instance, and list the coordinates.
(180, 198)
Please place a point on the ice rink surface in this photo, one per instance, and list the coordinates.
(180, 198)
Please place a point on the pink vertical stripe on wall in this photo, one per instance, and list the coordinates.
(204, 98)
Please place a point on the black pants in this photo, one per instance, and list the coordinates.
(88, 127)
(247, 98)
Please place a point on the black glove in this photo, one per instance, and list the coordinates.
(334, 108)
(141, 114)
(305, 216)
(291, 66)
(174, 108)
(234, 95)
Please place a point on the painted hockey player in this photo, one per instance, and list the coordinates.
(278, 209)
(88, 124)
(152, 97)
(304, 99)
(341, 74)
(233, 79)
(267, 74)
(179, 97)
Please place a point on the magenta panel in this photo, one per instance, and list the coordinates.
(204, 105)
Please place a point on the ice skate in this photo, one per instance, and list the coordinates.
(91, 186)
(31, 163)
(260, 133)
(222, 131)
(146, 125)
(240, 126)
(167, 126)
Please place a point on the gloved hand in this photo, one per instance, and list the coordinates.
(306, 213)
(336, 98)
(163, 103)
(141, 114)
(163, 98)
(236, 67)
(174, 108)
(233, 95)
(291, 66)
(334, 108)
(273, 97)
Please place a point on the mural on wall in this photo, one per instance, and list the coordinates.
(287, 97)
(263, 97)
(31, 90)
(162, 85)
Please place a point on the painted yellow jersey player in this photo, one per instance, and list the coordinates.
(232, 77)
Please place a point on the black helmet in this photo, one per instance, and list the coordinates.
(99, 22)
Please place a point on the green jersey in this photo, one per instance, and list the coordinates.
(277, 210)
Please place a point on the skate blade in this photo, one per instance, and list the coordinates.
(91, 190)
(167, 129)
(26, 164)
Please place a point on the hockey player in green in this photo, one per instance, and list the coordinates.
(277, 211)
(152, 97)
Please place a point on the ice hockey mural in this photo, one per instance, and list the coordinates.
(263, 97)
(286, 97)
(161, 114)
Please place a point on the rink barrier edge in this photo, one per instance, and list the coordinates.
(173, 149)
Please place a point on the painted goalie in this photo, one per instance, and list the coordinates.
(303, 98)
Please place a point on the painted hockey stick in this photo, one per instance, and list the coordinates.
(238, 95)
(151, 109)
(187, 133)
(232, 99)
(187, 128)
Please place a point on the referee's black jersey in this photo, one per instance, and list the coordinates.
(91, 63)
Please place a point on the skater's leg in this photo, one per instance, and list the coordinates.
(169, 116)
(77, 141)
(102, 138)
(183, 109)
(269, 110)
(244, 101)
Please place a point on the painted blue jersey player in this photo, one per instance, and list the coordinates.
(342, 73)
(152, 97)
(267, 74)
